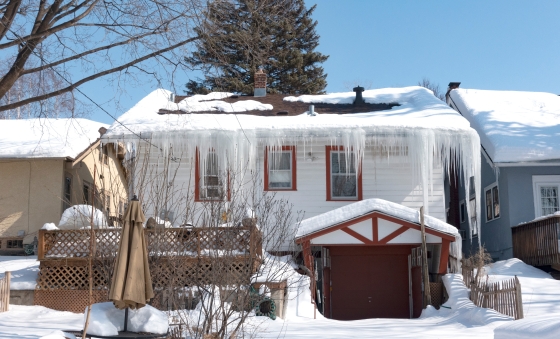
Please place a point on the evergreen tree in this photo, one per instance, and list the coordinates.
(239, 36)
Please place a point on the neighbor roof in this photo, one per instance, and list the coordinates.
(46, 138)
(513, 126)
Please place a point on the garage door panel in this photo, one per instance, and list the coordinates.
(373, 284)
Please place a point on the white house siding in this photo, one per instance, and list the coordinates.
(390, 179)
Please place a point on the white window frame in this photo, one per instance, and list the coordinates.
(491, 189)
(272, 157)
(205, 185)
(347, 174)
(538, 182)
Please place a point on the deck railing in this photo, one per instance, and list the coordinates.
(168, 242)
(537, 243)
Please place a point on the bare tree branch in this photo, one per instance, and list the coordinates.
(92, 77)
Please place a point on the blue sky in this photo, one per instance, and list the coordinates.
(501, 45)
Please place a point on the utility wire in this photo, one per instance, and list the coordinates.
(77, 88)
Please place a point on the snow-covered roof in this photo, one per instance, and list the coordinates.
(360, 208)
(46, 138)
(513, 126)
(418, 108)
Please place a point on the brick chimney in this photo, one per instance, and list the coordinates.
(260, 83)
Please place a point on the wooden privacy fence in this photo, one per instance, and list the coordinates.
(178, 258)
(5, 292)
(537, 243)
(502, 296)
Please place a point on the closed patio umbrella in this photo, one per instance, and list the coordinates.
(131, 286)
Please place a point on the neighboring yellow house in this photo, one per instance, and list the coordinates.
(48, 165)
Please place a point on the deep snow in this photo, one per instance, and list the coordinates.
(46, 138)
(459, 319)
(513, 126)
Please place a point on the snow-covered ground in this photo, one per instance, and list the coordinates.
(541, 304)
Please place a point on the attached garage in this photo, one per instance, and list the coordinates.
(365, 251)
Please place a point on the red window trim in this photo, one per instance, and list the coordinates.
(197, 182)
(294, 169)
(328, 150)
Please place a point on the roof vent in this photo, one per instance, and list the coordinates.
(359, 100)
(102, 131)
(282, 113)
(260, 83)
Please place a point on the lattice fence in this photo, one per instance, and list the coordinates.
(178, 258)
(190, 242)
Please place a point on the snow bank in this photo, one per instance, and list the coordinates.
(79, 216)
(277, 269)
(423, 128)
(50, 227)
(23, 270)
(34, 322)
(59, 335)
(107, 320)
(542, 327)
(460, 308)
(539, 291)
(47, 138)
(513, 126)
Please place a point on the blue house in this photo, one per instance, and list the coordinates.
(520, 180)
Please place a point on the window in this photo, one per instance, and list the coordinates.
(15, 244)
(545, 192)
(209, 178)
(462, 211)
(104, 155)
(280, 169)
(67, 191)
(474, 225)
(107, 202)
(492, 202)
(87, 192)
(344, 179)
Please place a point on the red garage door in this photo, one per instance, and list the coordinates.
(369, 282)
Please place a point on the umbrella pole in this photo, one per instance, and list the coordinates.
(126, 319)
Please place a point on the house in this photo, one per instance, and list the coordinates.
(321, 153)
(48, 165)
(520, 166)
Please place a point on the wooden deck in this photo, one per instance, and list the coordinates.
(537, 243)
(178, 258)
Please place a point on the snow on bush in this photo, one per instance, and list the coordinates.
(107, 320)
(79, 216)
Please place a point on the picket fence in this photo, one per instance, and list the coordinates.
(502, 296)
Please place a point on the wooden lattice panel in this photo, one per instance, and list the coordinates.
(68, 300)
(436, 293)
(189, 242)
(72, 275)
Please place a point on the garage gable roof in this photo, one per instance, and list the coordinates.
(375, 209)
